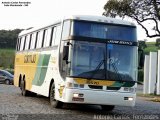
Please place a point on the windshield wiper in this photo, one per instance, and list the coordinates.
(97, 68)
(117, 72)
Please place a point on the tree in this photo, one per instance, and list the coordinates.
(8, 38)
(143, 11)
(142, 45)
(157, 42)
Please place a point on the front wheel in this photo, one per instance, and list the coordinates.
(107, 107)
(54, 103)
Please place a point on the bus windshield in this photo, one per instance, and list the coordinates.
(103, 61)
(104, 31)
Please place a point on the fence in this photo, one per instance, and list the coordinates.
(152, 73)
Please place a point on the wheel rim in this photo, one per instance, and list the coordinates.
(7, 82)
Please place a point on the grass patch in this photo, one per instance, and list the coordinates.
(150, 43)
(150, 47)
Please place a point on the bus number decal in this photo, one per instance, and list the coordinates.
(92, 82)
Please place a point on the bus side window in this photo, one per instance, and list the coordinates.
(36, 40)
(27, 42)
(48, 37)
(33, 39)
(43, 38)
(53, 36)
(39, 39)
(30, 41)
(22, 43)
(18, 43)
(58, 35)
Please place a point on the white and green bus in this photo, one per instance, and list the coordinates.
(80, 59)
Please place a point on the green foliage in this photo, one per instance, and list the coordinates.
(140, 75)
(142, 11)
(8, 38)
(157, 42)
(142, 44)
(7, 57)
(150, 47)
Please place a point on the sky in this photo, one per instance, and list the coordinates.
(41, 12)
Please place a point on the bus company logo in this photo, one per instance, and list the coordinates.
(29, 58)
(92, 82)
(120, 42)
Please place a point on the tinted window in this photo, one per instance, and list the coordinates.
(104, 31)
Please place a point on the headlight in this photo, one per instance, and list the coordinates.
(71, 85)
(129, 89)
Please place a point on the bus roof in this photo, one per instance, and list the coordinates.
(101, 19)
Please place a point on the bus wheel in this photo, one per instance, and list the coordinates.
(54, 103)
(107, 107)
(24, 92)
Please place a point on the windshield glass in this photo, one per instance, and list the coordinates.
(103, 61)
(104, 31)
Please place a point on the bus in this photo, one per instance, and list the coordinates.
(80, 59)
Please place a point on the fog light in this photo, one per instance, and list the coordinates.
(128, 98)
(75, 95)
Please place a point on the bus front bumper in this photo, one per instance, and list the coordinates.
(99, 97)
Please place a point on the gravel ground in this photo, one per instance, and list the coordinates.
(13, 106)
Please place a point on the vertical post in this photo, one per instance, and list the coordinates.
(146, 75)
(152, 71)
(158, 74)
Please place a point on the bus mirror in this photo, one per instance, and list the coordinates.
(140, 59)
(65, 53)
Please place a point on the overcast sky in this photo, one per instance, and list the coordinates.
(45, 11)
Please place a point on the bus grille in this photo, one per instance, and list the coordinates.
(113, 88)
(95, 87)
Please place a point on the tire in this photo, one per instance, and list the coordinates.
(107, 107)
(7, 82)
(54, 103)
(24, 92)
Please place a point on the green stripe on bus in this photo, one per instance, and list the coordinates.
(41, 70)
